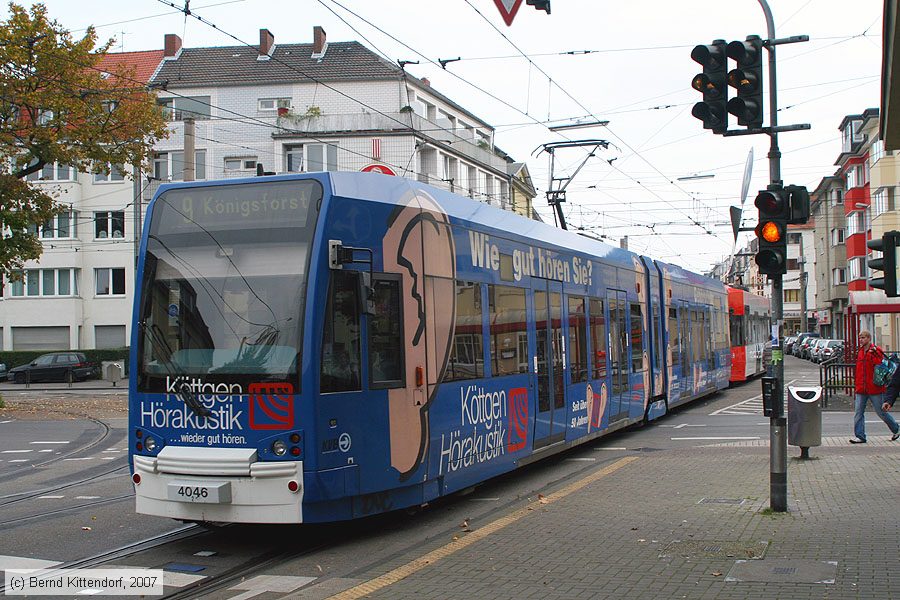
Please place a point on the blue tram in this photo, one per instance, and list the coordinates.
(326, 346)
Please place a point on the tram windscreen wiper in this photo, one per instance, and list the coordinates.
(183, 389)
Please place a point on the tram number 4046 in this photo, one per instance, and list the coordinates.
(207, 492)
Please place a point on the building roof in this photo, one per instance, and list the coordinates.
(239, 65)
(144, 62)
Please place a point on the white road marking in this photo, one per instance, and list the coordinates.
(82, 458)
(484, 499)
(50, 497)
(716, 438)
(19, 460)
(15, 451)
(21, 562)
(609, 448)
(86, 497)
(269, 583)
(48, 442)
(581, 459)
(47, 450)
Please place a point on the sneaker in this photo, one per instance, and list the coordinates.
(859, 441)
(896, 436)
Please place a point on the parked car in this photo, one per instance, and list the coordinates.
(789, 343)
(55, 366)
(805, 346)
(2, 371)
(801, 340)
(832, 349)
(815, 349)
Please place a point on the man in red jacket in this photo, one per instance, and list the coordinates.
(866, 390)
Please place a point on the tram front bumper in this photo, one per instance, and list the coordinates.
(272, 493)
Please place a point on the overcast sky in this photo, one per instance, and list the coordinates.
(637, 76)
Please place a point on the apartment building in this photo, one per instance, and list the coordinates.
(78, 295)
(830, 265)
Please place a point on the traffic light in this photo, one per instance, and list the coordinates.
(712, 84)
(887, 245)
(799, 201)
(774, 214)
(539, 4)
(747, 80)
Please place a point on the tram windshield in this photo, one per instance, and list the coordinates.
(224, 283)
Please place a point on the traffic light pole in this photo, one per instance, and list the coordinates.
(777, 422)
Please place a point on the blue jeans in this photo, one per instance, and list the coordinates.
(859, 419)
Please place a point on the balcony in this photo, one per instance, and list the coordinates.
(399, 122)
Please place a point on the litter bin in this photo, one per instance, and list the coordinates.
(804, 418)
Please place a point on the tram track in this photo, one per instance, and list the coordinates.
(62, 511)
(104, 435)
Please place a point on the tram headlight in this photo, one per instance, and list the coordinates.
(150, 444)
(279, 448)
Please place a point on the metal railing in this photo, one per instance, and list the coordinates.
(837, 376)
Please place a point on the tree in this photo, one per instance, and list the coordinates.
(62, 101)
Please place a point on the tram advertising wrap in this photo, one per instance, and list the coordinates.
(325, 346)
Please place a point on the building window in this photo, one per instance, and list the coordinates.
(109, 173)
(240, 164)
(837, 196)
(880, 202)
(53, 172)
(45, 282)
(62, 226)
(792, 295)
(169, 166)
(110, 282)
(109, 224)
(856, 223)
(310, 157)
(838, 276)
(857, 267)
(273, 104)
(876, 152)
(794, 238)
(837, 236)
(793, 264)
(177, 109)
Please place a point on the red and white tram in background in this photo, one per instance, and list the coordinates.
(751, 341)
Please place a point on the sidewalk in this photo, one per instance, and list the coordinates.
(691, 523)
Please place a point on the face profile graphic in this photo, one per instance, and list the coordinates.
(419, 243)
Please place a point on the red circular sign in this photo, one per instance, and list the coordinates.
(378, 169)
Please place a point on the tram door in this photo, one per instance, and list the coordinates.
(549, 422)
(619, 358)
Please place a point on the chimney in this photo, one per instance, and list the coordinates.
(266, 43)
(425, 82)
(172, 45)
(318, 41)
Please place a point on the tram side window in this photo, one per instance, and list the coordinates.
(341, 340)
(737, 330)
(467, 355)
(673, 335)
(509, 335)
(577, 341)
(386, 334)
(599, 340)
(637, 338)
